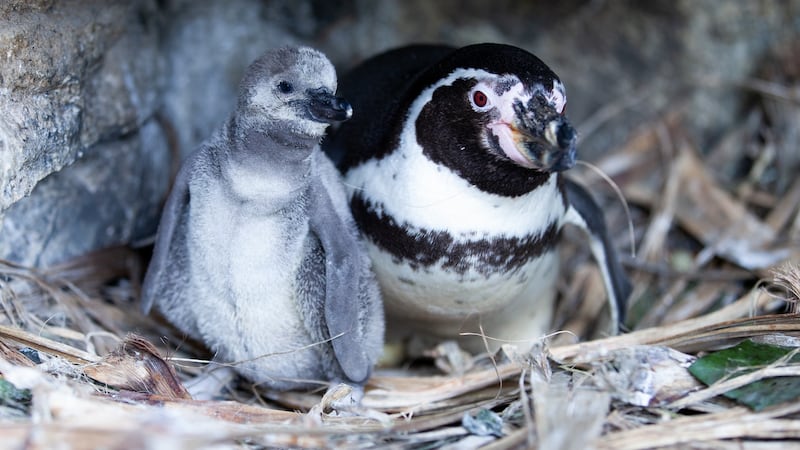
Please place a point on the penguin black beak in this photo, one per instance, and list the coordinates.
(323, 106)
(544, 138)
(562, 139)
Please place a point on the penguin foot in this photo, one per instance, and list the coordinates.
(344, 400)
(450, 358)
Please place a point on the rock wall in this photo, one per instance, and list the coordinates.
(82, 161)
(92, 92)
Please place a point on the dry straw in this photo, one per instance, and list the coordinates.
(717, 263)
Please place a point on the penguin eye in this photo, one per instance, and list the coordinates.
(479, 99)
(285, 87)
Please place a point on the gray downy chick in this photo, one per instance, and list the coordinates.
(257, 254)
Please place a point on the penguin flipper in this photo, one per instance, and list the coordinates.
(585, 213)
(342, 279)
(173, 214)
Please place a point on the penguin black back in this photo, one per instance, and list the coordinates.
(368, 84)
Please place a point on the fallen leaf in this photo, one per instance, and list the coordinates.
(746, 358)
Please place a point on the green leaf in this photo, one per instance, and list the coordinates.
(16, 398)
(745, 358)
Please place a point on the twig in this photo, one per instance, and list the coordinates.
(735, 383)
(588, 351)
(49, 346)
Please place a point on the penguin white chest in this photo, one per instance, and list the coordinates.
(443, 248)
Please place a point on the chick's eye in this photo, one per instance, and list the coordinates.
(480, 99)
(285, 87)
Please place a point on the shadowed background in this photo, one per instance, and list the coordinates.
(99, 98)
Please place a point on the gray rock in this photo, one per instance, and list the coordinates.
(208, 45)
(70, 76)
(78, 82)
(111, 197)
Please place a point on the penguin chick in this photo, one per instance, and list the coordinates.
(257, 254)
(454, 162)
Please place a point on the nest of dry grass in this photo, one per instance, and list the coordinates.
(716, 234)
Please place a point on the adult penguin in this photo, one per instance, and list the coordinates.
(453, 161)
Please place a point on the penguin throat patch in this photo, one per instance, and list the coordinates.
(422, 248)
(452, 134)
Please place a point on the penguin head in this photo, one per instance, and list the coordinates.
(501, 101)
(292, 88)
(524, 123)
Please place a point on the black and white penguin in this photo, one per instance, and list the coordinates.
(257, 254)
(454, 161)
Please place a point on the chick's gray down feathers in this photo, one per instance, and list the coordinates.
(257, 254)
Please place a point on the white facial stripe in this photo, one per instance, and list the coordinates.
(503, 102)
(426, 95)
(557, 96)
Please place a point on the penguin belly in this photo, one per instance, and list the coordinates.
(236, 275)
(451, 258)
(507, 307)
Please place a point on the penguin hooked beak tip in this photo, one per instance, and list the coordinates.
(546, 143)
(324, 106)
(563, 138)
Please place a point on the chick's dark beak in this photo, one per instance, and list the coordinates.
(323, 106)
